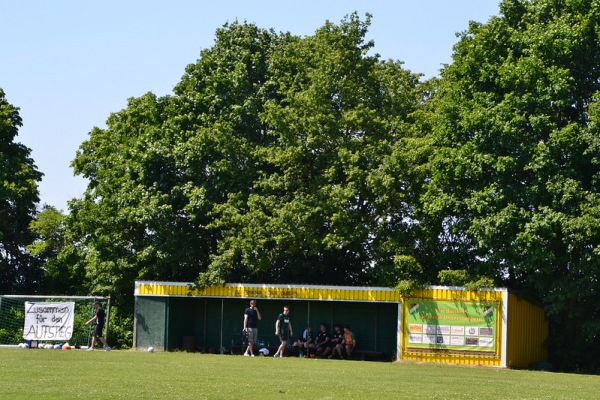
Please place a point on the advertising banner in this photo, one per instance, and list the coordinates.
(451, 325)
(49, 321)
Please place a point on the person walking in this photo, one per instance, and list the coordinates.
(283, 329)
(251, 318)
(98, 320)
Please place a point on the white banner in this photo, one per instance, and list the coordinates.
(48, 321)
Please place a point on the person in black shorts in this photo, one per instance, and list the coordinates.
(337, 338)
(322, 341)
(98, 320)
(283, 329)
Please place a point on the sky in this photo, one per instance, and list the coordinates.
(68, 64)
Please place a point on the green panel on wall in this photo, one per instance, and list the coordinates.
(150, 319)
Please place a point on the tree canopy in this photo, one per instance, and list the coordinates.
(264, 166)
(331, 116)
(18, 199)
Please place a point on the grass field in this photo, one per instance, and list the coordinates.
(75, 374)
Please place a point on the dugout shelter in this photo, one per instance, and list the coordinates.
(436, 324)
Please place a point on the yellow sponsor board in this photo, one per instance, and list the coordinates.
(308, 292)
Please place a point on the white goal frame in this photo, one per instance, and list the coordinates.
(55, 298)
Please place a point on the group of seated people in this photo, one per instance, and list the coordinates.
(338, 344)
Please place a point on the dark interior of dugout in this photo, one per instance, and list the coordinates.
(214, 325)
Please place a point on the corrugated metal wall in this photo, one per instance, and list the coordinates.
(527, 333)
(271, 292)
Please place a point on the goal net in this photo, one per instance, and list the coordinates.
(39, 313)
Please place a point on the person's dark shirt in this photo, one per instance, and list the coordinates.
(252, 317)
(284, 323)
(337, 337)
(322, 337)
(100, 316)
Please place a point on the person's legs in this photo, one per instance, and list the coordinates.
(93, 343)
(334, 351)
(339, 350)
(299, 347)
(283, 336)
(349, 349)
(98, 334)
(311, 349)
(320, 350)
(252, 333)
(103, 340)
(281, 349)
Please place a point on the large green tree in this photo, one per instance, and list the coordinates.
(515, 178)
(157, 170)
(267, 164)
(19, 195)
(332, 115)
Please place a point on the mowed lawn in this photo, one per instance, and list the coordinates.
(76, 374)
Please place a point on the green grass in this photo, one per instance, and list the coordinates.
(56, 374)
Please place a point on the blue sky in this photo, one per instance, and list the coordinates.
(68, 64)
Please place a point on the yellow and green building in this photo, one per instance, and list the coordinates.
(437, 324)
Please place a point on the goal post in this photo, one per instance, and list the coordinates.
(13, 317)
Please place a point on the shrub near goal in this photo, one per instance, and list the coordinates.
(12, 318)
